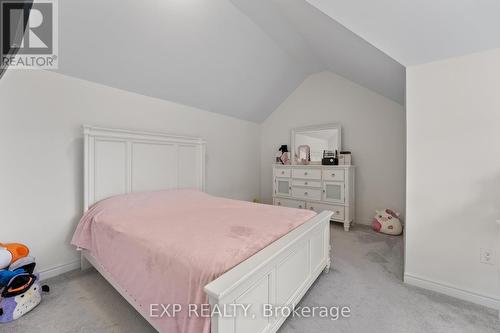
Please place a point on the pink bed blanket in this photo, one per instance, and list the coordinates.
(164, 247)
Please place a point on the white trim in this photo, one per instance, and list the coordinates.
(120, 133)
(452, 291)
(58, 270)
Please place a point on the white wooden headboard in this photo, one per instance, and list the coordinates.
(119, 161)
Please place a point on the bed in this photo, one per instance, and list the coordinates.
(136, 169)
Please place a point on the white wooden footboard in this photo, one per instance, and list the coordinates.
(279, 275)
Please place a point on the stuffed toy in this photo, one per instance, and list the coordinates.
(20, 291)
(26, 263)
(10, 253)
(387, 222)
(17, 305)
(21, 266)
(7, 275)
(14, 261)
(5, 258)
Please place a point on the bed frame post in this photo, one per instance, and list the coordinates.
(329, 261)
(84, 263)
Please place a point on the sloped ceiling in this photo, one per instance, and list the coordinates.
(240, 58)
(416, 32)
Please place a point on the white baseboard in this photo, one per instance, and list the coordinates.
(58, 270)
(452, 291)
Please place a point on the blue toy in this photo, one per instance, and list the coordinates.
(7, 275)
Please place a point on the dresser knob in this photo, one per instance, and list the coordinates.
(333, 175)
(279, 203)
(305, 183)
(300, 206)
(311, 208)
(305, 193)
(282, 172)
(338, 212)
(305, 173)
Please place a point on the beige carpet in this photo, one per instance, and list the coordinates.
(366, 277)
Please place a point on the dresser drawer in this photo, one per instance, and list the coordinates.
(338, 211)
(305, 182)
(289, 203)
(333, 174)
(282, 172)
(306, 193)
(306, 173)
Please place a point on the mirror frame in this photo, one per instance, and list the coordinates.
(329, 126)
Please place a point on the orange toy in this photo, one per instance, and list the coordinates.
(17, 250)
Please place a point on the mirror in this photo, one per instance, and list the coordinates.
(317, 138)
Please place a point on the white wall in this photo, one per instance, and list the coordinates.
(41, 147)
(373, 128)
(453, 175)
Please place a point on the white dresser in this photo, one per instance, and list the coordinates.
(316, 187)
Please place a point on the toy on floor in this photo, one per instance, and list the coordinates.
(14, 261)
(13, 307)
(20, 290)
(5, 258)
(387, 222)
(6, 275)
(10, 253)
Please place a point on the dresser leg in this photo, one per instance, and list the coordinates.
(347, 226)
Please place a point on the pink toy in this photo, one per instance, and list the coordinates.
(387, 222)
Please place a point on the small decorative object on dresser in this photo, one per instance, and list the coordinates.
(317, 188)
(345, 158)
(283, 156)
(304, 156)
(328, 157)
